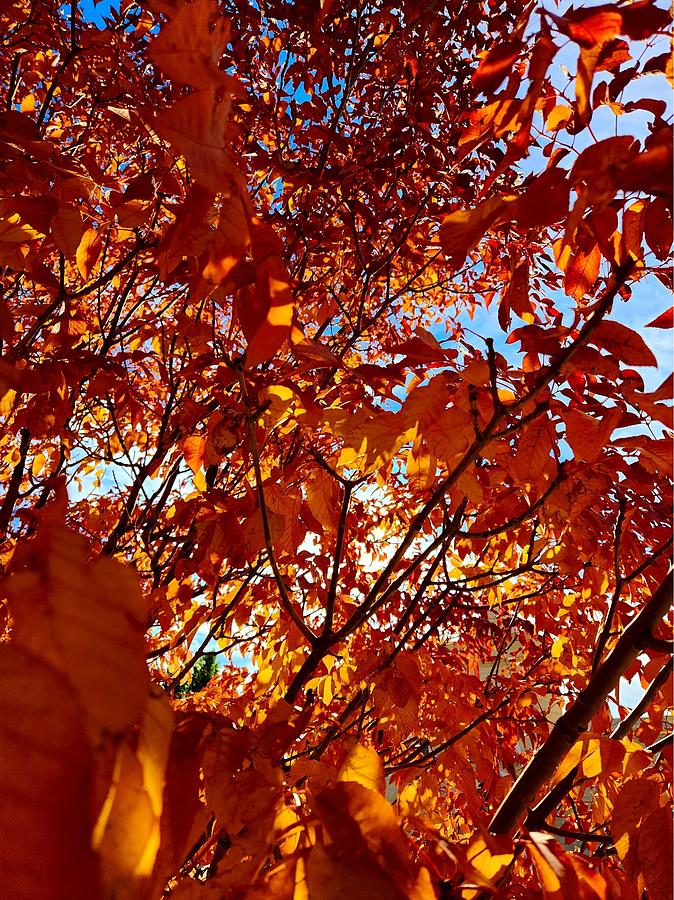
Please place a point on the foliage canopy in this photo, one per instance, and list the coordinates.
(248, 412)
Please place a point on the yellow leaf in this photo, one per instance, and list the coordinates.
(7, 402)
(39, 461)
(364, 766)
(127, 834)
(288, 828)
(488, 855)
(558, 117)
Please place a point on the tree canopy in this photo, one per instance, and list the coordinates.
(335, 484)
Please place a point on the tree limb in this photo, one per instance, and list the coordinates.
(574, 721)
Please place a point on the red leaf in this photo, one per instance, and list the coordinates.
(591, 27)
(658, 227)
(642, 19)
(664, 320)
(265, 311)
(495, 65)
(624, 344)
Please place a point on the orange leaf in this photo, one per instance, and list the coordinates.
(654, 842)
(88, 251)
(564, 876)
(191, 45)
(195, 127)
(515, 298)
(623, 343)
(127, 835)
(193, 451)
(533, 458)
(45, 791)
(366, 838)
(183, 812)
(461, 230)
(266, 311)
(636, 801)
(495, 65)
(363, 766)
(633, 227)
(87, 619)
(591, 26)
(67, 229)
(587, 435)
(582, 271)
(559, 117)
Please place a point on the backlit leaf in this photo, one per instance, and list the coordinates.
(363, 766)
(624, 343)
(88, 251)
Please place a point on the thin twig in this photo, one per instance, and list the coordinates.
(286, 600)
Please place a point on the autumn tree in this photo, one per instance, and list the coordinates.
(336, 486)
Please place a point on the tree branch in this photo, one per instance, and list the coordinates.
(574, 721)
(12, 495)
(634, 717)
(339, 546)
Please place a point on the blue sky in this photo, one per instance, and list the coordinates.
(95, 12)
